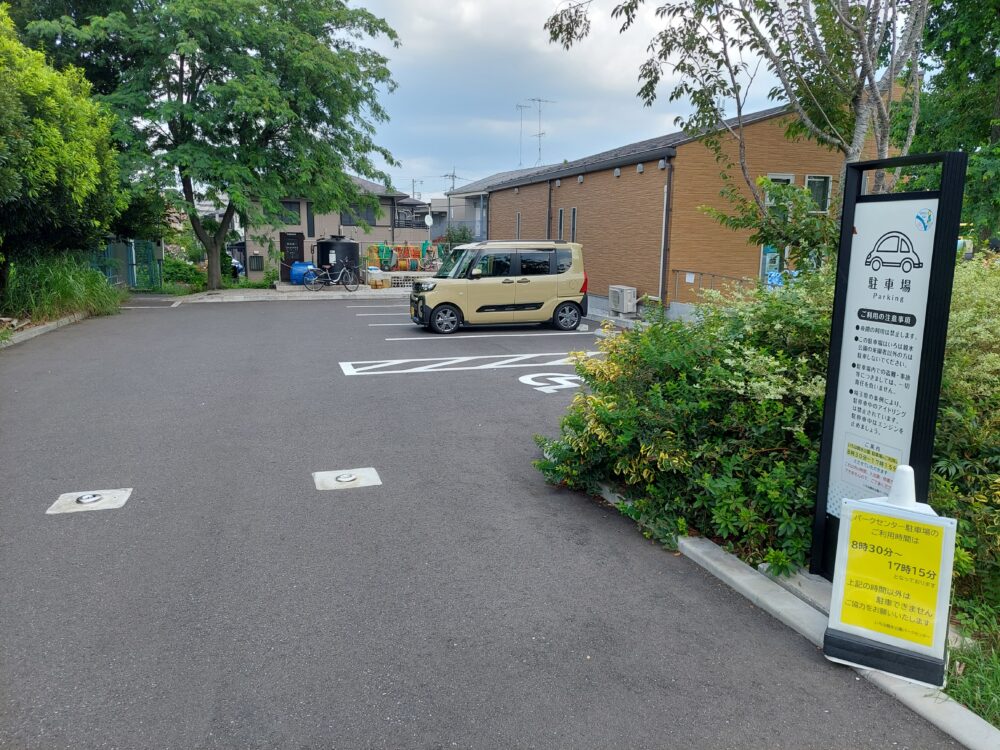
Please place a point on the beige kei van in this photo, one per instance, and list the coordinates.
(500, 281)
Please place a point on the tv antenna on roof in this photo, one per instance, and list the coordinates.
(539, 102)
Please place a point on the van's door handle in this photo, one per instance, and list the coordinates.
(508, 281)
(524, 281)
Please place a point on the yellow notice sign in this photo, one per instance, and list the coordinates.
(892, 577)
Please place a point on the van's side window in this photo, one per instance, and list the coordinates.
(535, 262)
(564, 260)
(495, 263)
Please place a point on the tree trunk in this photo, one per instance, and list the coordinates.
(862, 121)
(212, 243)
(214, 265)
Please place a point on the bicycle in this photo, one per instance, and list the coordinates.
(315, 278)
(430, 262)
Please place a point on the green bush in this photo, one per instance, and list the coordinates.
(714, 426)
(710, 427)
(58, 286)
(177, 271)
(966, 479)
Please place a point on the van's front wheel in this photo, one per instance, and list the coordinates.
(445, 319)
(567, 316)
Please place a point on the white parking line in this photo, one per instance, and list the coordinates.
(462, 336)
(454, 364)
(372, 325)
(375, 315)
(367, 306)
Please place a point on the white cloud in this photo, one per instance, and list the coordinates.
(463, 65)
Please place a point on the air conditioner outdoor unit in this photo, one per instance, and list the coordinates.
(621, 299)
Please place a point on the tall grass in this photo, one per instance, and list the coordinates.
(58, 286)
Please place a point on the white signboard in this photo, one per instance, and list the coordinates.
(885, 315)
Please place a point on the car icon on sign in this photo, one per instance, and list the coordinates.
(893, 250)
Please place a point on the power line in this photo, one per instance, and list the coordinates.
(452, 176)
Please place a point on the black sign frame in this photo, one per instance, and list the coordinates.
(953, 164)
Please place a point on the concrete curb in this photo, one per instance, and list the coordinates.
(270, 295)
(949, 716)
(31, 333)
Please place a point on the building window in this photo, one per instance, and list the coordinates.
(517, 225)
(559, 228)
(572, 225)
(819, 186)
(291, 212)
(779, 179)
(310, 221)
(354, 215)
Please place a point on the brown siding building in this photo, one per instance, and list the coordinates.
(637, 209)
(296, 239)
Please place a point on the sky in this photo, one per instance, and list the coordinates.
(464, 65)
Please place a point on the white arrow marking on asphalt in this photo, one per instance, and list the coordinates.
(550, 382)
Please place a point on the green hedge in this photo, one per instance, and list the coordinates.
(176, 271)
(713, 427)
(58, 286)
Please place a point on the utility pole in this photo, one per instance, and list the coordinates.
(520, 140)
(413, 186)
(453, 177)
(539, 102)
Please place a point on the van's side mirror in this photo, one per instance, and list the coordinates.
(475, 273)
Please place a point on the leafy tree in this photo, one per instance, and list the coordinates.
(40, 22)
(961, 108)
(458, 234)
(836, 63)
(963, 45)
(244, 102)
(58, 171)
(793, 222)
(144, 216)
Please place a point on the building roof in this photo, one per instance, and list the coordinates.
(409, 202)
(661, 147)
(373, 187)
(484, 185)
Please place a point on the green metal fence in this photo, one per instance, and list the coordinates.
(133, 263)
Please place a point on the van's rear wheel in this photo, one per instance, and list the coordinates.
(907, 265)
(445, 319)
(567, 316)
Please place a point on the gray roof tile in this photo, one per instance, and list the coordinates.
(649, 148)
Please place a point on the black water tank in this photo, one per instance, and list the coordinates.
(335, 250)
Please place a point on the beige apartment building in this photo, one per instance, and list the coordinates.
(637, 209)
(397, 221)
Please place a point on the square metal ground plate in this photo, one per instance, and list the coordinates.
(108, 499)
(328, 480)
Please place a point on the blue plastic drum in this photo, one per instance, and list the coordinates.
(298, 270)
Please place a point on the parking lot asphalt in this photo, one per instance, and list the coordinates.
(461, 603)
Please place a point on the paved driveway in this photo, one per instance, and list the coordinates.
(461, 603)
